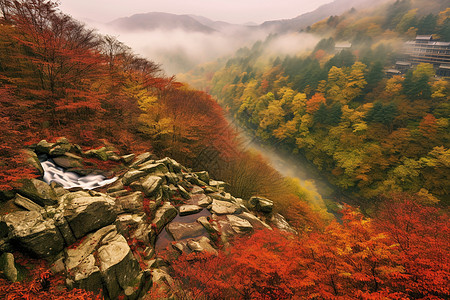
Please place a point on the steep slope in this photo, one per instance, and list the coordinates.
(336, 7)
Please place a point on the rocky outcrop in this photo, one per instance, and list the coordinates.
(35, 234)
(86, 213)
(261, 204)
(38, 191)
(113, 240)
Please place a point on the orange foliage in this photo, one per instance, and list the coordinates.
(313, 104)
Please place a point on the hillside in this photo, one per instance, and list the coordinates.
(158, 20)
(370, 134)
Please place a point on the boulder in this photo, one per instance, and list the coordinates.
(223, 207)
(7, 266)
(44, 147)
(278, 221)
(142, 158)
(171, 164)
(33, 161)
(131, 176)
(189, 209)
(118, 266)
(103, 153)
(200, 200)
(201, 244)
(86, 214)
(103, 257)
(203, 176)
(254, 220)
(26, 203)
(180, 231)
(153, 168)
(165, 214)
(261, 204)
(60, 147)
(196, 190)
(127, 158)
(33, 233)
(117, 186)
(221, 196)
(69, 160)
(183, 192)
(151, 184)
(131, 203)
(37, 191)
(239, 225)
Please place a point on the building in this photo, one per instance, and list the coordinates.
(424, 49)
(443, 71)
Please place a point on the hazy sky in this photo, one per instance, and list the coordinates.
(233, 11)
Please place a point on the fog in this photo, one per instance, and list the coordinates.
(178, 50)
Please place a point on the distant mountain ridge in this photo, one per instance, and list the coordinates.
(193, 23)
(336, 7)
(160, 20)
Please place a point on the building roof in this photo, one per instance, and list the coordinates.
(403, 63)
(424, 37)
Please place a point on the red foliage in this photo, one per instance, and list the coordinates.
(402, 255)
(40, 283)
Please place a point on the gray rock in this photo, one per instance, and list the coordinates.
(86, 214)
(26, 203)
(261, 204)
(118, 266)
(239, 225)
(278, 221)
(201, 200)
(103, 153)
(131, 176)
(165, 214)
(7, 266)
(223, 207)
(254, 220)
(189, 209)
(183, 192)
(142, 158)
(33, 161)
(44, 147)
(120, 193)
(200, 245)
(37, 191)
(180, 231)
(151, 184)
(103, 257)
(69, 160)
(153, 168)
(131, 203)
(171, 164)
(32, 232)
(203, 176)
(117, 186)
(221, 196)
(197, 190)
(127, 158)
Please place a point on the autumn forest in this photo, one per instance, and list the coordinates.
(376, 131)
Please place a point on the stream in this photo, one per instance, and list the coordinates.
(296, 167)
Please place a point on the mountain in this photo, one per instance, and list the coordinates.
(336, 7)
(159, 20)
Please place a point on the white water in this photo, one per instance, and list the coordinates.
(54, 173)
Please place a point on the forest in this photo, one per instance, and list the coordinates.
(369, 134)
(382, 141)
